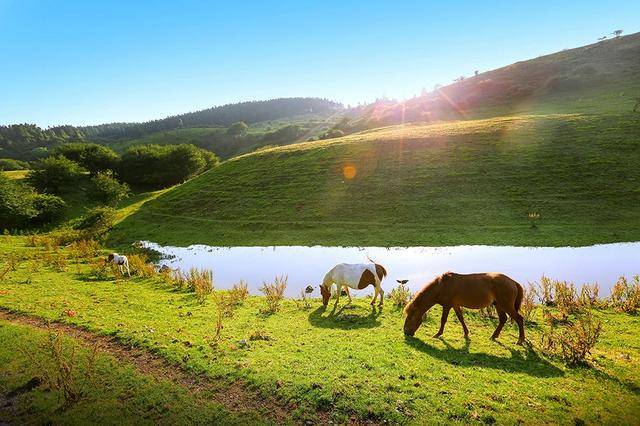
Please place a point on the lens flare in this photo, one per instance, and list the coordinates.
(349, 171)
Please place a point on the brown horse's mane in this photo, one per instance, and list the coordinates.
(419, 299)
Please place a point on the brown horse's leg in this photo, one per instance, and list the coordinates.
(520, 321)
(443, 320)
(458, 311)
(502, 318)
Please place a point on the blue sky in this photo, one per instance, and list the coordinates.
(89, 62)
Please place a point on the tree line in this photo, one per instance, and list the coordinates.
(37, 200)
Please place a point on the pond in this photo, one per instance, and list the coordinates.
(307, 265)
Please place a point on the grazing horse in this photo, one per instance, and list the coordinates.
(356, 276)
(474, 291)
(121, 261)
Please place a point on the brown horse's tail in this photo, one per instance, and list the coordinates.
(519, 297)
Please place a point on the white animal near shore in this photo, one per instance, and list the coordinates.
(121, 261)
(356, 276)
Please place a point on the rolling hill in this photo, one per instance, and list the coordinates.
(568, 152)
(462, 182)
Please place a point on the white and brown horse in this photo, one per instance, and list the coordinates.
(356, 276)
(121, 261)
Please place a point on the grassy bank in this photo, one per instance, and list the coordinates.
(461, 182)
(108, 391)
(352, 363)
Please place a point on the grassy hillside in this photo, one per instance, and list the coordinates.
(462, 182)
(349, 364)
(603, 77)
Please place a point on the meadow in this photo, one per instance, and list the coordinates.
(348, 365)
(470, 181)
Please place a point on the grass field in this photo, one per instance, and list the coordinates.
(352, 364)
(115, 393)
(460, 182)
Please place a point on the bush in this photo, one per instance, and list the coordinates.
(274, 293)
(97, 221)
(163, 165)
(528, 302)
(106, 189)
(224, 309)
(574, 342)
(139, 265)
(625, 296)
(51, 174)
(50, 208)
(237, 129)
(10, 164)
(21, 206)
(400, 296)
(93, 157)
(239, 292)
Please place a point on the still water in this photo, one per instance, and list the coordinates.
(307, 265)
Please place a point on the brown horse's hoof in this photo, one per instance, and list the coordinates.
(437, 335)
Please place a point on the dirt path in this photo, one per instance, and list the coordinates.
(235, 397)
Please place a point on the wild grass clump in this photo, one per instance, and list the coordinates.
(10, 265)
(239, 292)
(400, 296)
(573, 342)
(60, 368)
(559, 294)
(625, 296)
(273, 294)
(528, 302)
(140, 266)
(99, 268)
(200, 281)
(544, 291)
(590, 296)
(225, 305)
(84, 249)
(55, 259)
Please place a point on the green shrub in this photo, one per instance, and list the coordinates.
(163, 165)
(93, 157)
(10, 164)
(575, 341)
(97, 221)
(50, 208)
(51, 174)
(107, 190)
(625, 296)
(21, 206)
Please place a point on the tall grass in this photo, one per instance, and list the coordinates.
(574, 342)
(199, 281)
(273, 294)
(400, 296)
(625, 296)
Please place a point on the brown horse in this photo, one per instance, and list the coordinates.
(475, 291)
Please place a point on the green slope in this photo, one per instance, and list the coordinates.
(462, 182)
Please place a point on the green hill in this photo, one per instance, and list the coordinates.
(462, 182)
(564, 145)
(597, 78)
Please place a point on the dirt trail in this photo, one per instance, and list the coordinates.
(234, 397)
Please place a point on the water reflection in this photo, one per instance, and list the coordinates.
(307, 265)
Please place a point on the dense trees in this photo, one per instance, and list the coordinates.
(28, 141)
(93, 157)
(163, 165)
(225, 115)
(237, 129)
(8, 164)
(106, 189)
(22, 206)
(51, 174)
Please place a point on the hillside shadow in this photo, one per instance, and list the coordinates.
(342, 318)
(528, 362)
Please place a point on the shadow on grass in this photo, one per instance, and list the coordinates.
(527, 362)
(344, 320)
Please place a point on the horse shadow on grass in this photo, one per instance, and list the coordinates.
(345, 319)
(526, 362)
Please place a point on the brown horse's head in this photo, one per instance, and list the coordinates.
(413, 320)
(110, 258)
(326, 294)
(419, 305)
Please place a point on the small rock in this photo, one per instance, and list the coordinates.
(242, 343)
